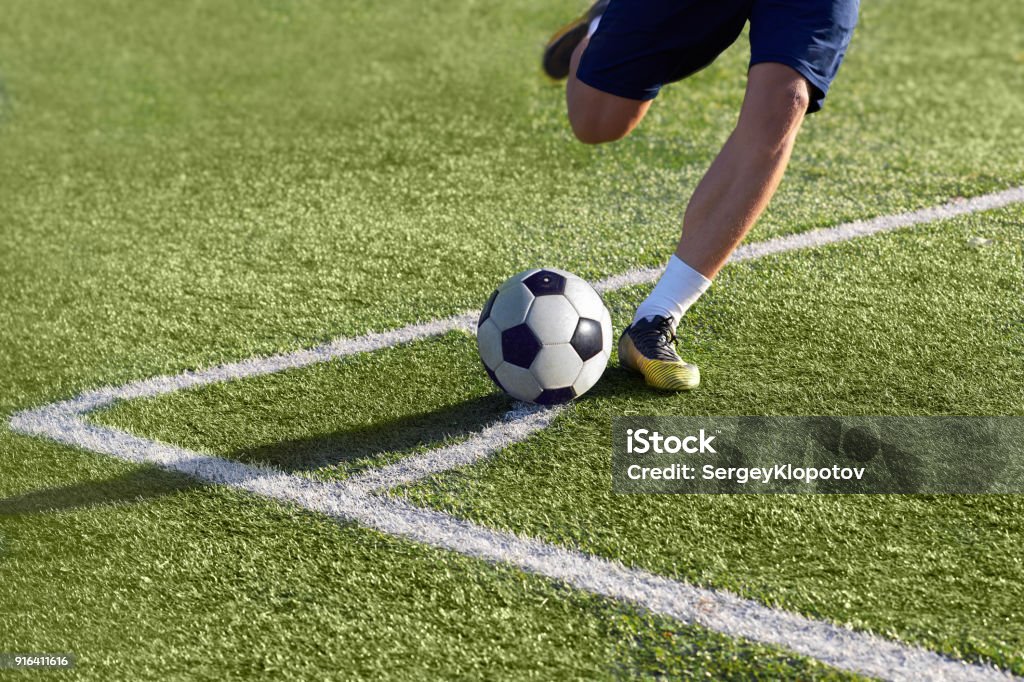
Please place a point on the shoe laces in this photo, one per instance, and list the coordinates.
(655, 338)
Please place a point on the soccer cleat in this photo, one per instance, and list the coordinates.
(648, 347)
(558, 52)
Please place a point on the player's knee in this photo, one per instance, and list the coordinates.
(794, 99)
(594, 135)
(591, 129)
(778, 113)
(597, 117)
(785, 108)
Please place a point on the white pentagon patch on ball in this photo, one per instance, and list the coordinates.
(545, 336)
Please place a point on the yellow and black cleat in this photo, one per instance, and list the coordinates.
(558, 51)
(648, 347)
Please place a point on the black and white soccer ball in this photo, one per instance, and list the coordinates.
(544, 336)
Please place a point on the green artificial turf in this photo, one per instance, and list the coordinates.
(919, 323)
(335, 418)
(147, 575)
(858, 328)
(184, 186)
(189, 183)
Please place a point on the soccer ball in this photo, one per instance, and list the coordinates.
(544, 336)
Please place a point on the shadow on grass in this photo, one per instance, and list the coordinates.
(395, 436)
(346, 446)
(145, 484)
(617, 382)
(408, 433)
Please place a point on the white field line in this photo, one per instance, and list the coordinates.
(496, 436)
(64, 422)
(839, 233)
(516, 426)
(720, 611)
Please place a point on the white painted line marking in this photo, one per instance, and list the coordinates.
(416, 467)
(64, 422)
(839, 233)
(516, 426)
(716, 610)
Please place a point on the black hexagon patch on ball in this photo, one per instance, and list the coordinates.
(554, 396)
(545, 283)
(519, 345)
(587, 339)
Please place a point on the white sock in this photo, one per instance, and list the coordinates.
(595, 22)
(679, 288)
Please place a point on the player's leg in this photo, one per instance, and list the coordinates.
(726, 204)
(796, 49)
(743, 177)
(621, 52)
(618, 55)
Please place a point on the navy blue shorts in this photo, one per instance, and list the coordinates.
(640, 45)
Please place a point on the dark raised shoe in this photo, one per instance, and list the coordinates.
(558, 52)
